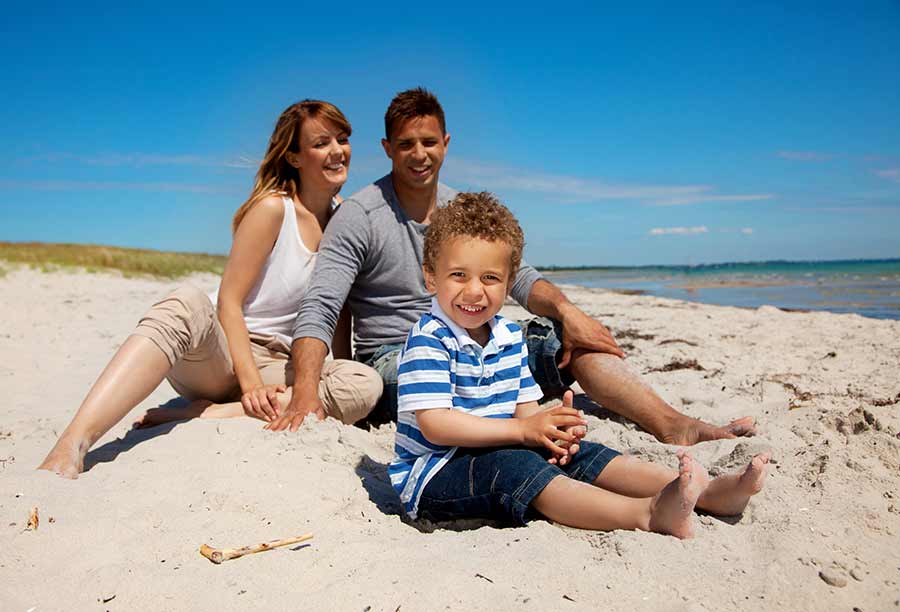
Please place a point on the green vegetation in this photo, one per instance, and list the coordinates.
(130, 262)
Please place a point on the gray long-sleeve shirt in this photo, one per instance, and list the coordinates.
(371, 256)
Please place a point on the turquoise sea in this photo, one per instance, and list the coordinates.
(869, 287)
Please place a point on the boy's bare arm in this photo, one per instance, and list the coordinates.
(454, 428)
(527, 409)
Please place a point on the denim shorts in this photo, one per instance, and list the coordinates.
(501, 483)
(543, 337)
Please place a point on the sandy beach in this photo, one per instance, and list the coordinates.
(823, 535)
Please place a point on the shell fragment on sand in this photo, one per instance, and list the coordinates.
(33, 520)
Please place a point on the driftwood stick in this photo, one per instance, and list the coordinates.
(219, 555)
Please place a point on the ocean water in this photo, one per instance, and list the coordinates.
(867, 287)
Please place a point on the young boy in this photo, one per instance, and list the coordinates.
(472, 441)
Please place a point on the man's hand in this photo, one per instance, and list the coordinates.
(262, 402)
(296, 411)
(581, 331)
(544, 428)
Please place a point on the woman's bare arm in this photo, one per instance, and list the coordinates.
(252, 244)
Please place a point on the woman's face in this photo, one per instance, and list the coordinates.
(324, 156)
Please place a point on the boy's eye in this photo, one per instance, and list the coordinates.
(343, 140)
(458, 274)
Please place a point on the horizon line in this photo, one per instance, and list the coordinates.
(539, 267)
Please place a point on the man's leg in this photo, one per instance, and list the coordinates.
(609, 381)
(384, 361)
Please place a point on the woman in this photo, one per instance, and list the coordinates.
(243, 352)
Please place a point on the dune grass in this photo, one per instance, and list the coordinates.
(130, 262)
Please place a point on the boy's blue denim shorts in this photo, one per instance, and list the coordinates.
(501, 483)
(543, 337)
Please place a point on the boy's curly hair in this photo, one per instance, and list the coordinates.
(474, 215)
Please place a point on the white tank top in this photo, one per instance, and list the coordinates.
(271, 306)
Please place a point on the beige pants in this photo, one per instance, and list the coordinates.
(185, 327)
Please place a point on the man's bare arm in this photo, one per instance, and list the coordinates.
(580, 331)
(308, 355)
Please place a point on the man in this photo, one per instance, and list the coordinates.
(371, 256)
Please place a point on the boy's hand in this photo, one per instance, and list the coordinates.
(578, 431)
(544, 428)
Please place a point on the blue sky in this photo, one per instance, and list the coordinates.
(657, 134)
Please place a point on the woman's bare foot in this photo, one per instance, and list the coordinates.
(672, 510)
(728, 495)
(158, 416)
(66, 458)
(687, 431)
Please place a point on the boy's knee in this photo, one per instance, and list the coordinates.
(349, 390)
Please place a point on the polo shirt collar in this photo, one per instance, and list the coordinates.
(500, 335)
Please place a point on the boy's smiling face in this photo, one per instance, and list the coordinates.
(470, 281)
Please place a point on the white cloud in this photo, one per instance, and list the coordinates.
(576, 189)
(699, 199)
(242, 161)
(678, 231)
(805, 156)
(891, 174)
(51, 185)
(141, 159)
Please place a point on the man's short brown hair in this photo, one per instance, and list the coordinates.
(474, 215)
(418, 102)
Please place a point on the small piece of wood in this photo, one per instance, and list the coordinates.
(217, 556)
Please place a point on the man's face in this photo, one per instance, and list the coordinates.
(417, 148)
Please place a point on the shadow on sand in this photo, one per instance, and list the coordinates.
(109, 451)
(377, 483)
(582, 402)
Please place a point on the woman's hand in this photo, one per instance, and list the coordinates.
(262, 401)
(544, 428)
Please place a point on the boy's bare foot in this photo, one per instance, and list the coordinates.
(672, 510)
(687, 431)
(728, 495)
(66, 458)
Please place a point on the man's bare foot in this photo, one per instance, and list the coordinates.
(672, 510)
(688, 431)
(728, 495)
(66, 458)
(158, 416)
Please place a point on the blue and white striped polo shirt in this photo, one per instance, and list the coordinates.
(441, 366)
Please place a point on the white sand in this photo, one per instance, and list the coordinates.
(130, 527)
